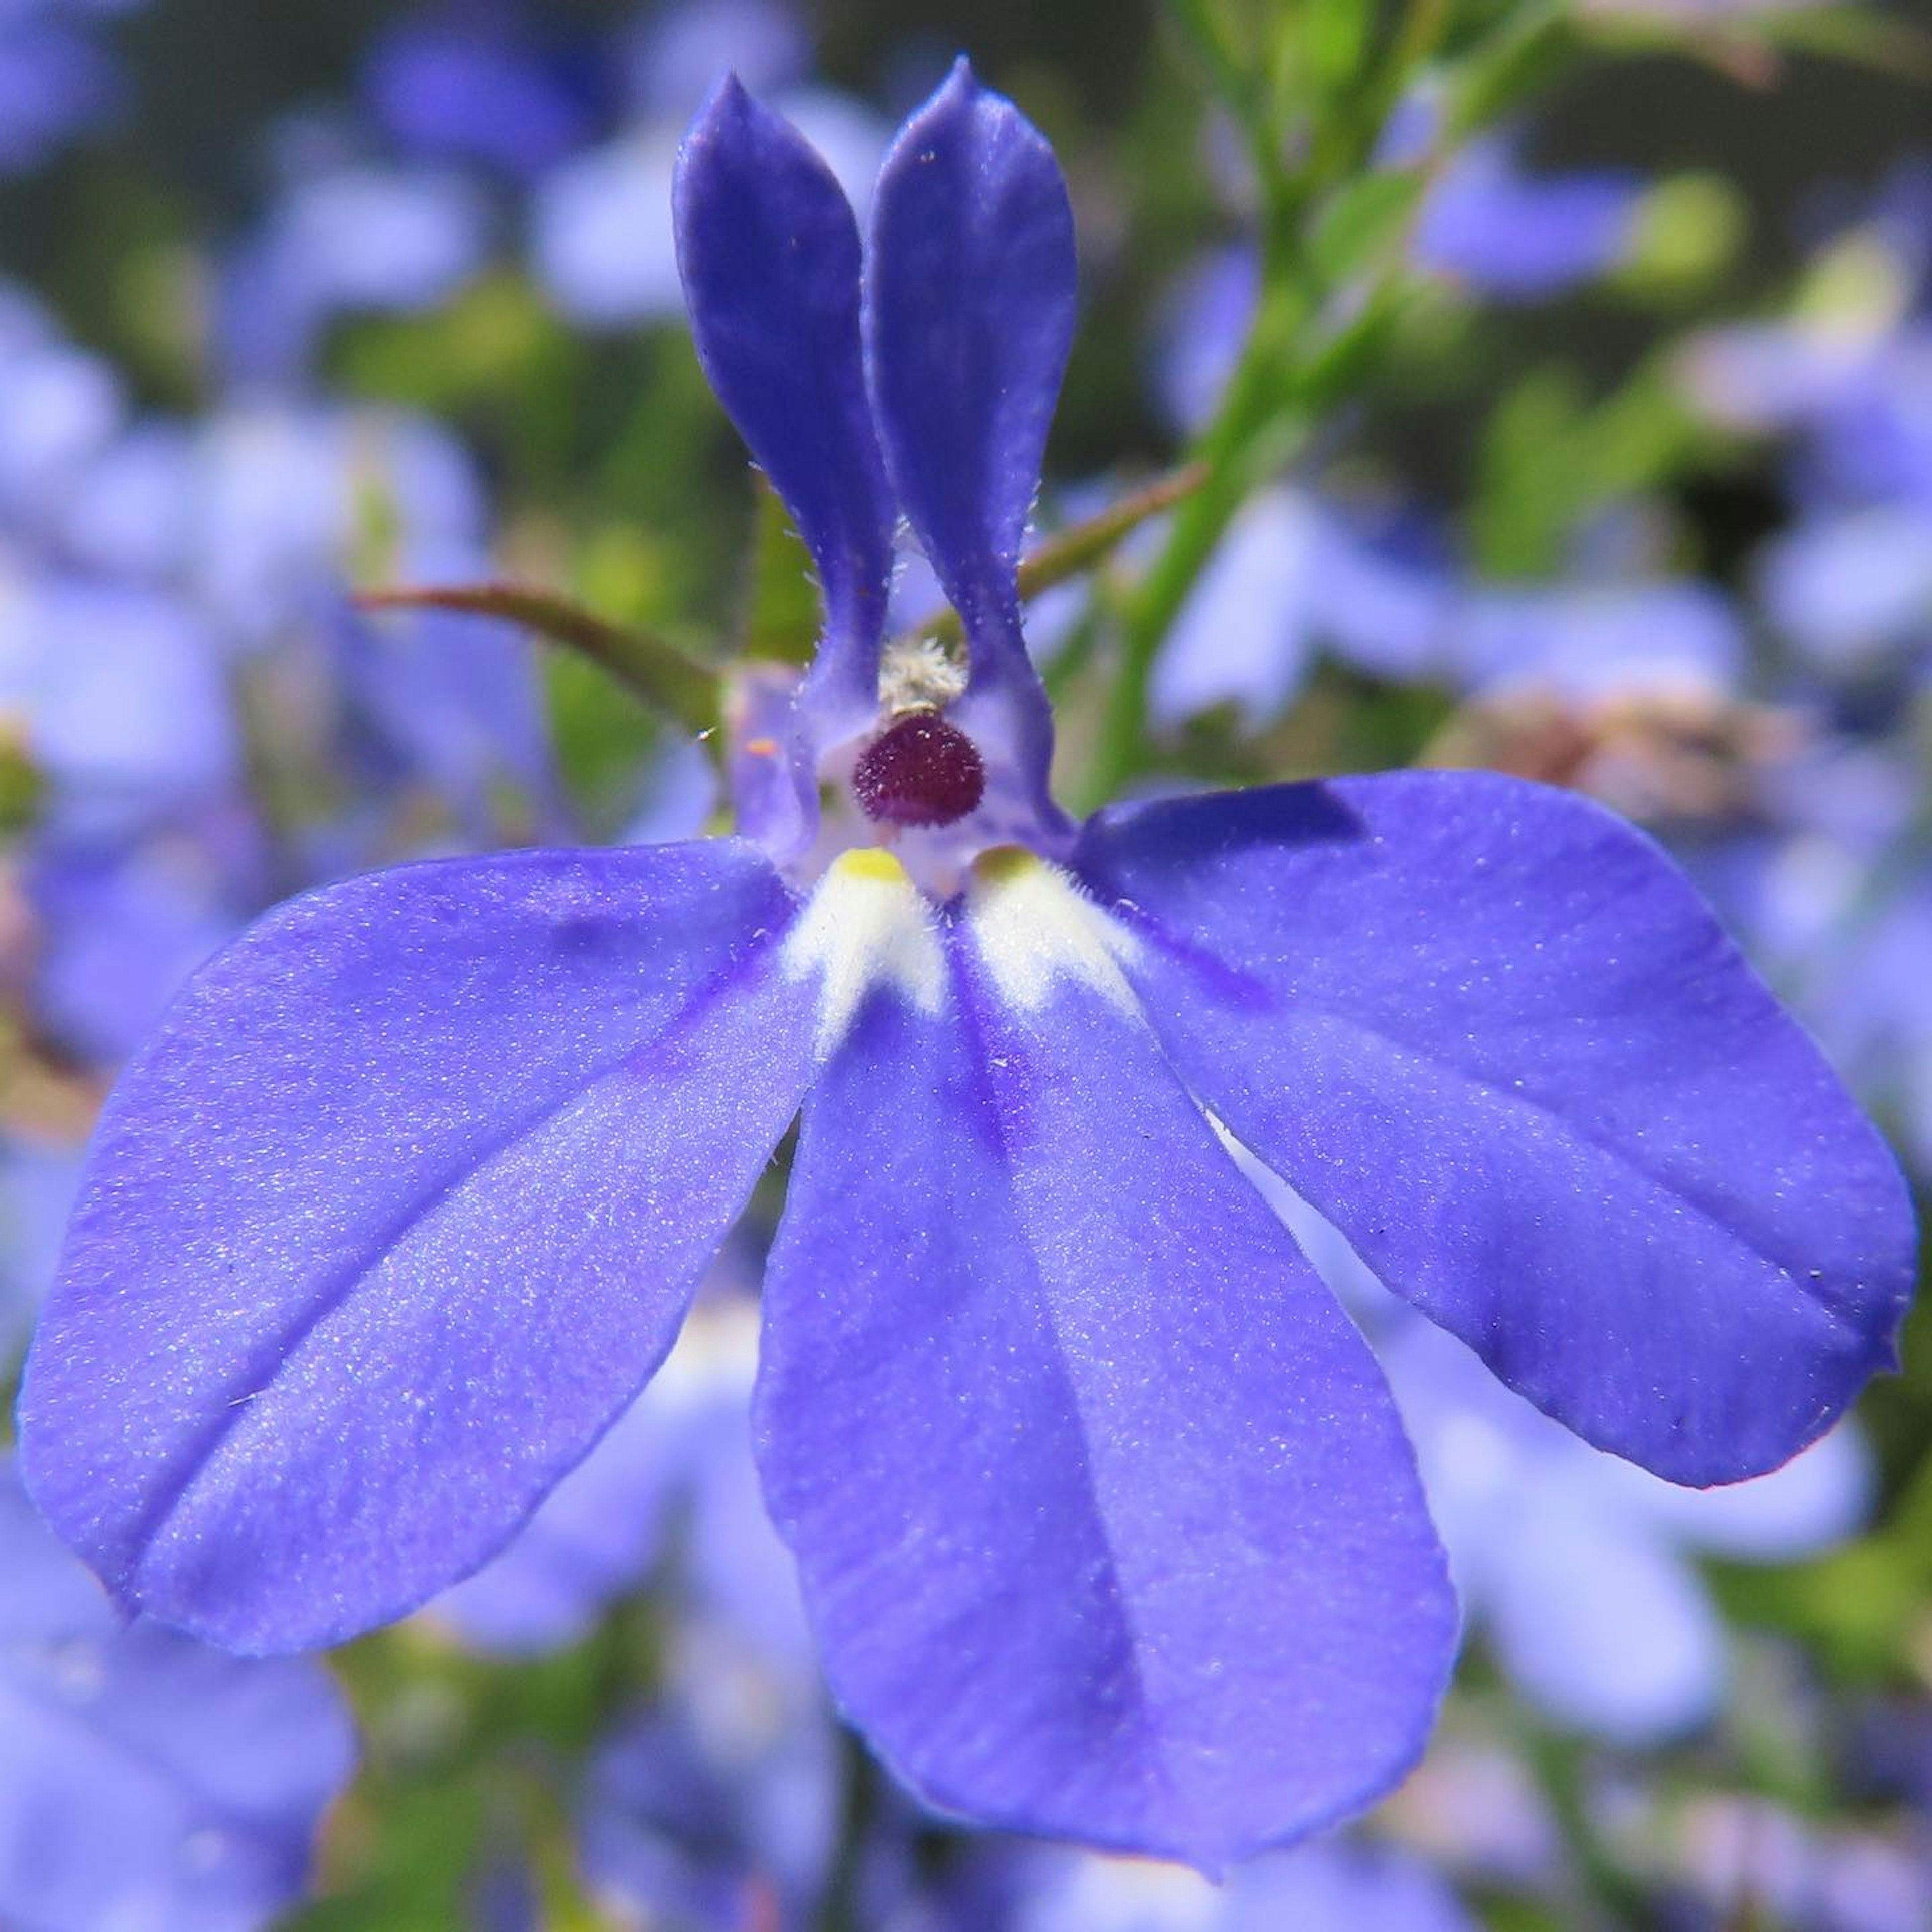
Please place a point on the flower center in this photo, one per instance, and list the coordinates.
(920, 771)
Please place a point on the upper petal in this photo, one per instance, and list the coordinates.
(402, 1203)
(969, 318)
(1493, 1034)
(1104, 1516)
(769, 253)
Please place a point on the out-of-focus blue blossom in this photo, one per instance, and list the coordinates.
(1586, 640)
(1739, 1859)
(715, 1811)
(1580, 1566)
(679, 51)
(1849, 378)
(60, 407)
(1484, 222)
(38, 1179)
(121, 925)
(1849, 369)
(1516, 236)
(57, 79)
(1294, 575)
(1835, 897)
(295, 502)
(1849, 587)
(1202, 326)
(714, 1807)
(131, 510)
(116, 694)
(146, 1782)
(288, 493)
(1340, 1886)
(1474, 1808)
(601, 239)
(483, 81)
(350, 236)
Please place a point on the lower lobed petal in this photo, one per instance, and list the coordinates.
(1105, 1518)
(1493, 1034)
(402, 1204)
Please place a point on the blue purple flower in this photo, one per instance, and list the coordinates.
(1105, 1518)
(147, 1780)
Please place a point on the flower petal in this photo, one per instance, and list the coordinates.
(769, 253)
(403, 1204)
(1492, 1033)
(969, 318)
(1106, 1521)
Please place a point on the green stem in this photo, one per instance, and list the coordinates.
(1080, 547)
(1236, 79)
(1247, 409)
(677, 685)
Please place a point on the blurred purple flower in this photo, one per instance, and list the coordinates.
(1848, 588)
(1744, 1859)
(352, 237)
(1202, 326)
(1333, 1887)
(680, 50)
(121, 925)
(59, 409)
(1484, 222)
(145, 1780)
(1588, 640)
(117, 695)
(38, 1182)
(600, 237)
(1516, 236)
(57, 81)
(1293, 576)
(1581, 1566)
(480, 81)
(1101, 1509)
(709, 1814)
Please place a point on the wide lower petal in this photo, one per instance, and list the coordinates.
(1104, 1516)
(1493, 1034)
(404, 1202)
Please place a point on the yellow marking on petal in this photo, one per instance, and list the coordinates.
(1034, 927)
(761, 748)
(866, 923)
(871, 862)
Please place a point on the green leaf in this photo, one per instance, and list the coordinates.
(1363, 222)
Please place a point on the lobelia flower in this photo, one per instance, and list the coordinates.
(1104, 1519)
